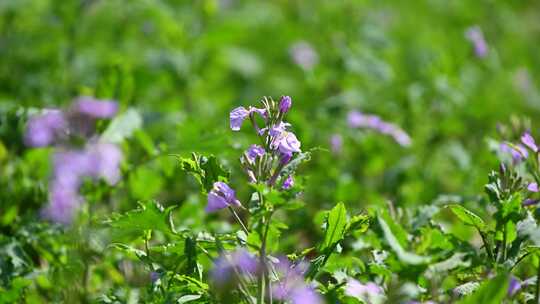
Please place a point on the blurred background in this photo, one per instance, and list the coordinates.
(449, 73)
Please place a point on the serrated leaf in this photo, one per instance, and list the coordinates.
(132, 224)
(490, 292)
(336, 223)
(404, 256)
(468, 217)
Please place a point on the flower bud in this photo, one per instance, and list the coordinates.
(285, 104)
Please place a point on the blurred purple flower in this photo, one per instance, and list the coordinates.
(291, 285)
(529, 202)
(532, 187)
(107, 158)
(254, 151)
(304, 55)
(476, 37)
(63, 204)
(99, 160)
(357, 119)
(221, 196)
(362, 291)
(336, 143)
(514, 286)
(285, 104)
(42, 130)
(528, 141)
(95, 108)
(288, 183)
(240, 259)
(518, 152)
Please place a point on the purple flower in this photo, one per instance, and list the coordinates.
(221, 196)
(286, 143)
(365, 292)
(240, 259)
(285, 104)
(288, 183)
(95, 108)
(528, 141)
(529, 202)
(532, 187)
(476, 37)
(107, 158)
(42, 130)
(237, 117)
(514, 286)
(304, 55)
(518, 152)
(255, 151)
(276, 130)
(291, 285)
(336, 143)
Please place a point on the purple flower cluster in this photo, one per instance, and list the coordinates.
(291, 285)
(264, 163)
(357, 119)
(476, 37)
(72, 165)
(520, 152)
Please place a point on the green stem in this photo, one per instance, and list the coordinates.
(537, 293)
(239, 220)
(487, 246)
(503, 255)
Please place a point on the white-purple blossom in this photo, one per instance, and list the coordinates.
(365, 292)
(95, 108)
(44, 129)
(304, 55)
(221, 196)
(286, 143)
(476, 37)
(532, 187)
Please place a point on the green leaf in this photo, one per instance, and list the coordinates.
(404, 256)
(490, 292)
(123, 126)
(206, 170)
(132, 224)
(336, 223)
(468, 217)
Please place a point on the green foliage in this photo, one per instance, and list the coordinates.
(206, 170)
(490, 292)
